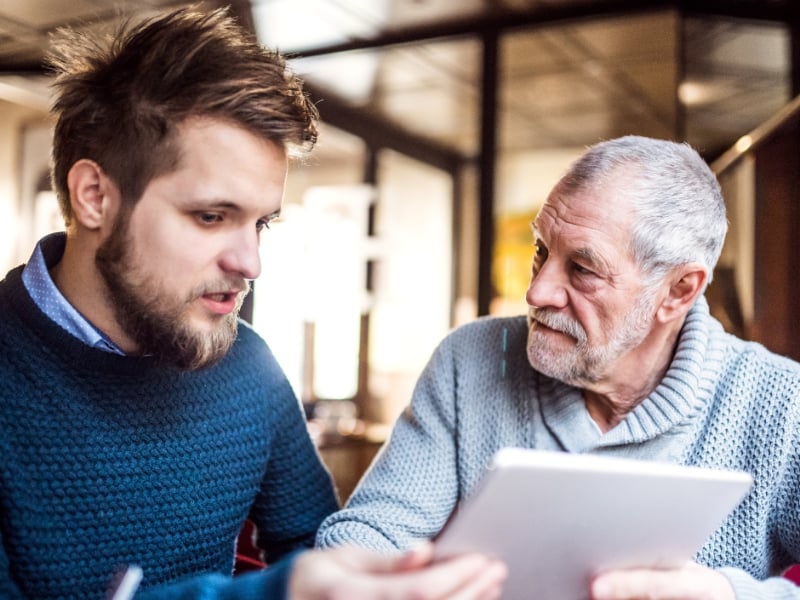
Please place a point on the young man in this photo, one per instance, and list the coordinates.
(618, 356)
(140, 421)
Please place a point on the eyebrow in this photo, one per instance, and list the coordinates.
(212, 203)
(591, 257)
(215, 203)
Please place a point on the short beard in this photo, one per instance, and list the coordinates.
(155, 321)
(584, 364)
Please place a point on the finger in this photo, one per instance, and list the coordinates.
(445, 579)
(679, 584)
(488, 585)
(417, 557)
(362, 559)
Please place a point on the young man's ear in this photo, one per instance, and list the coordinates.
(687, 282)
(93, 197)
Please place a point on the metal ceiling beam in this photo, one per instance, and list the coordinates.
(541, 16)
(751, 10)
(490, 83)
(478, 24)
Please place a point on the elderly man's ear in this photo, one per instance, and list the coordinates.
(93, 196)
(686, 283)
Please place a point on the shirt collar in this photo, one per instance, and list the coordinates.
(39, 284)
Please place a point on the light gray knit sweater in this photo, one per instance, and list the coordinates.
(724, 403)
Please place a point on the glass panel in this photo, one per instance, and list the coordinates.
(429, 89)
(731, 294)
(572, 85)
(300, 24)
(335, 230)
(433, 90)
(524, 179)
(304, 272)
(412, 278)
(292, 24)
(736, 76)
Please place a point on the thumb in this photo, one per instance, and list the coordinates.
(415, 558)
(419, 556)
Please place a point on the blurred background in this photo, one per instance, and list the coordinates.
(444, 125)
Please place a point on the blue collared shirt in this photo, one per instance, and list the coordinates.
(37, 280)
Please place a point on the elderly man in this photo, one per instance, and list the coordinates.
(618, 356)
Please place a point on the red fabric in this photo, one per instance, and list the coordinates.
(248, 556)
(793, 574)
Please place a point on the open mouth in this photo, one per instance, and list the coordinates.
(221, 303)
(221, 297)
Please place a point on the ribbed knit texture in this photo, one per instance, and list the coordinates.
(108, 460)
(723, 403)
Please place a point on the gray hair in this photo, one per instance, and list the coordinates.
(679, 210)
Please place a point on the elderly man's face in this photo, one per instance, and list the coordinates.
(588, 305)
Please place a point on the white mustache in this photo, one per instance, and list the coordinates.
(558, 322)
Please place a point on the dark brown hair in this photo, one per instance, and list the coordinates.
(119, 100)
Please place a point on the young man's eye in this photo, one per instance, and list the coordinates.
(209, 218)
(262, 224)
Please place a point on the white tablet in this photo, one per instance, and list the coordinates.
(556, 518)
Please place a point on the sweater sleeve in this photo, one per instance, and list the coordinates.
(269, 584)
(786, 444)
(411, 488)
(785, 454)
(8, 589)
(296, 491)
(747, 587)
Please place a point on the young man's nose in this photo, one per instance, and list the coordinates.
(242, 256)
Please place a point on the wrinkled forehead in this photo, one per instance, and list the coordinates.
(606, 204)
(593, 220)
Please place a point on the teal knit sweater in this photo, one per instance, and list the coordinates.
(723, 403)
(108, 461)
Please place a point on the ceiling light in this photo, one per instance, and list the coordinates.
(743, 143)
(691, 93)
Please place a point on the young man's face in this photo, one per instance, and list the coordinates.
(177, 267)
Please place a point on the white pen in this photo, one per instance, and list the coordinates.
(126, 583)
